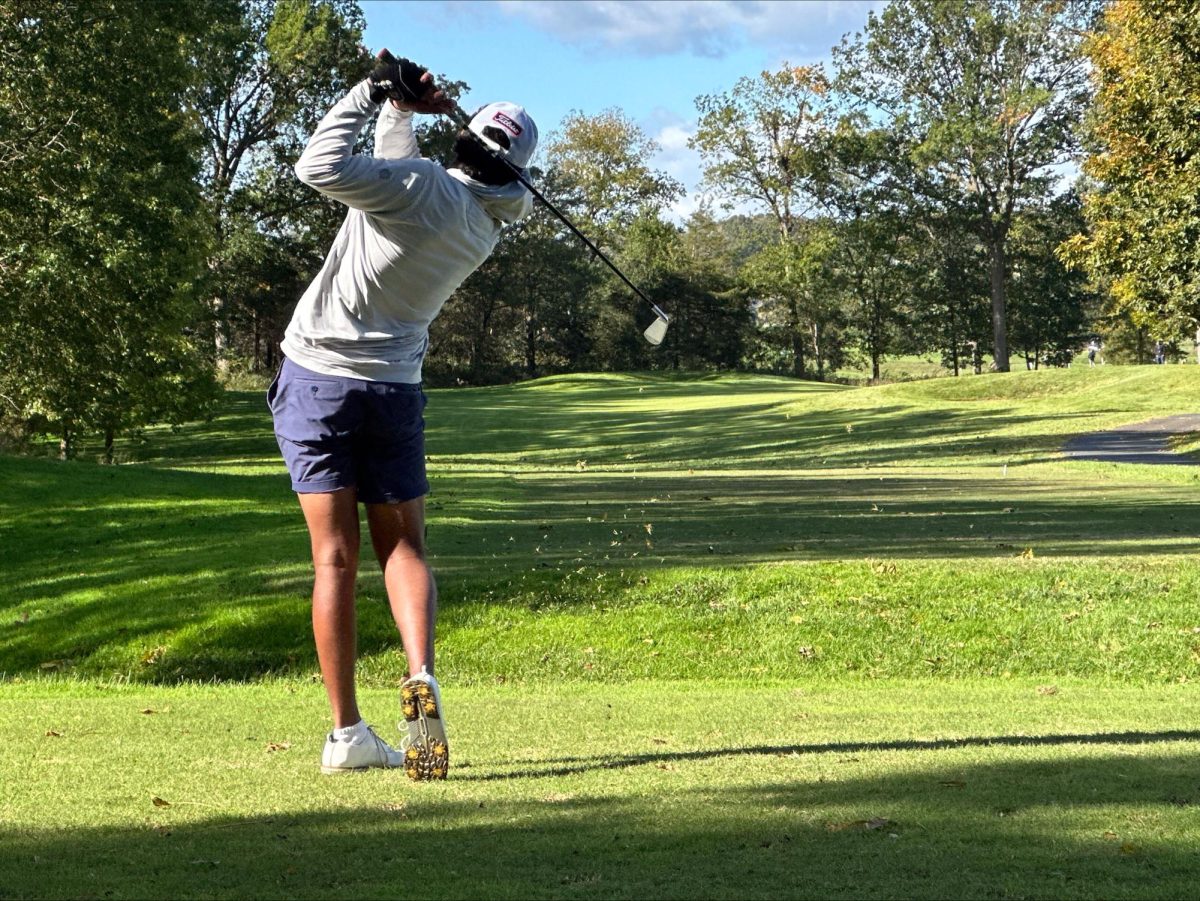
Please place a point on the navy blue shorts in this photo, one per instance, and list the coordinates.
(337, 432)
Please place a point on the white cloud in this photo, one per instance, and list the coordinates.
(706, 28)
(682, 163)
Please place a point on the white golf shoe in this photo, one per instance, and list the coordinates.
(363, 751)
(426, 752)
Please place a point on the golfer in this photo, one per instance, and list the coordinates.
(347, 403)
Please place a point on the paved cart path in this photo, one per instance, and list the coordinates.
(1140, 442)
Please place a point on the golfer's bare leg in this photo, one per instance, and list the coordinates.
(398, 536)
(333, 527)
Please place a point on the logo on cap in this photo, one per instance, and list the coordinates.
(507, 123)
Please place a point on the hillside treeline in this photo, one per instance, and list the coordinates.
(992, 182)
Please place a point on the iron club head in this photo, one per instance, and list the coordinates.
(656, 331)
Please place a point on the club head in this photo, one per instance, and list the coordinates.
(656, 331)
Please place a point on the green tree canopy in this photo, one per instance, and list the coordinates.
(987, 95)
(102, 216)
(1142, 203)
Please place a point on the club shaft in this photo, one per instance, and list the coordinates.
(465, 120)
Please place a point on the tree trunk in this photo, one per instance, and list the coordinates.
(531, 347)
(256, 361)
(220, 335)
(999, 300)
(953, 336)
(876, 337)
(108, 446)
(797, 343)
(817, 355)
(798, 354)
(66, 443)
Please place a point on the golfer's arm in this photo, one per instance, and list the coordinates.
(394, 138)
(330, 165)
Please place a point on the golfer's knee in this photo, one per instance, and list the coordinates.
(336, 560)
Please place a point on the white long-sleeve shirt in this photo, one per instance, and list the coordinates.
(413, 232)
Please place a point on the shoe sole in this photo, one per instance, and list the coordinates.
(428, 754)
(338, 770)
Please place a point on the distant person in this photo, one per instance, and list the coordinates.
(347, 402)
(1093, 348)
(1160, 353)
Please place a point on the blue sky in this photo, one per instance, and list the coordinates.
(650, 58)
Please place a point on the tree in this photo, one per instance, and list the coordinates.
(785, 280)
(857, 185)
(104, 226)
(760, 143)
(601, 166)
(953, 314)
(267, 71)
(687, 270)
(1050, 301)
(1142, 201)
(987, 94)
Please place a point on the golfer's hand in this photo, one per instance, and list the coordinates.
(433, 100)
(407, 85)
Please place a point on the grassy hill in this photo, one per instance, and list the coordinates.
(597, 527)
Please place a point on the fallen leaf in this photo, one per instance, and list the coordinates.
(51, 733)
(159, 802)
(278, 746)
(1110, 836)
(659, 741)
(1047, 689)
(153, 655)
(149, 710)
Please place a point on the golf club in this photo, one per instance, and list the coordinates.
(657, 330)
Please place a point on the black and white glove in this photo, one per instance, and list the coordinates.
(396, 79)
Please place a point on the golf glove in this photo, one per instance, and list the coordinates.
(396, 79)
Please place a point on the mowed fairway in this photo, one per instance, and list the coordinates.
(700, 637)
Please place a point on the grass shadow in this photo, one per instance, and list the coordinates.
(1029, 827)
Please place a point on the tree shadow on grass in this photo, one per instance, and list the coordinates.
(568, 766)
(710, 519)
(1097, 825)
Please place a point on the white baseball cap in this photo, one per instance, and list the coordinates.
(515, 124)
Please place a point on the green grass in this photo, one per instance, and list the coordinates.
(934, 620)
(666, 790)
(914, 529)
